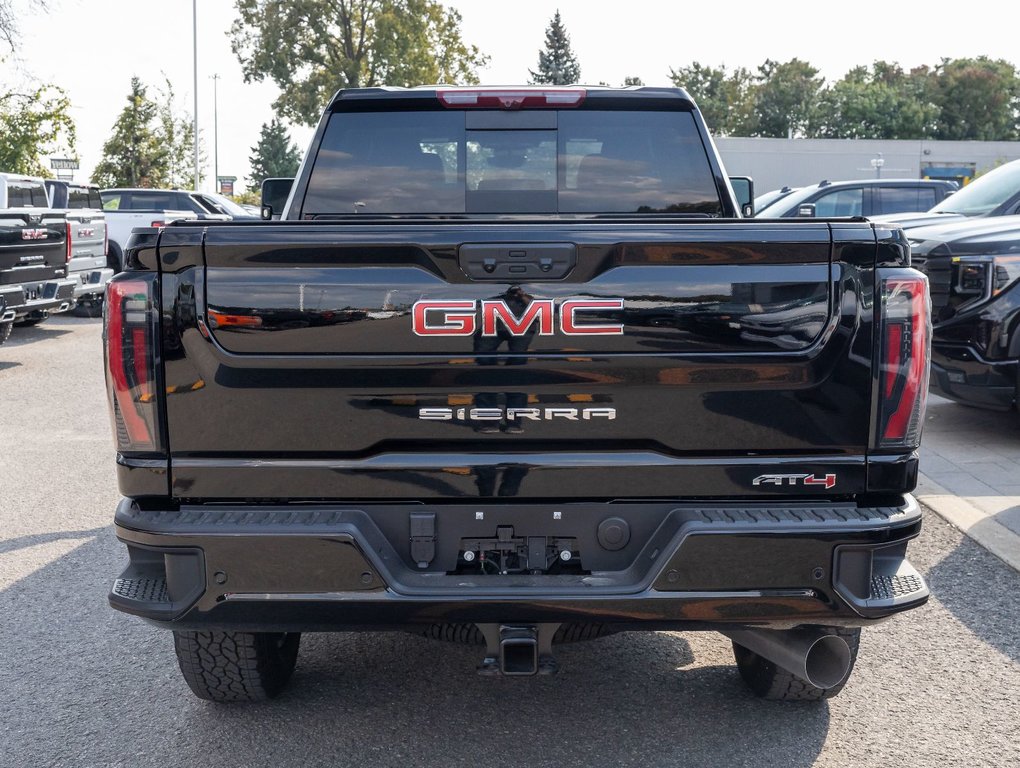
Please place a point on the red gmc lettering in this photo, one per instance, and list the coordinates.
(568, 317)
(457, 318)
(518, 326)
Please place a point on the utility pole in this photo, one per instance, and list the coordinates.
(194, 46)
(216, 133)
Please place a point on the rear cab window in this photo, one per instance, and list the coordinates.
(82, 197)
(26, 194)
(559, 161)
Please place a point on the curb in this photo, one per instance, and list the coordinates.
(977, 524)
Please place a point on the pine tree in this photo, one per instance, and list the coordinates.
(557, 64)
(274, 156)
(134, 155)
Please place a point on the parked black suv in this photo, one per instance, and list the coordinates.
(973, 269)
(864, 197)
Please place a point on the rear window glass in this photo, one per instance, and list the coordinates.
(78, 197)
(140, 201)
(430, 163)
(26, 195)
(905, 199)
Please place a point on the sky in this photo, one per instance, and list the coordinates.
(92, 48)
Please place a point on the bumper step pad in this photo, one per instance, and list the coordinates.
(891, 587)
(143, 590)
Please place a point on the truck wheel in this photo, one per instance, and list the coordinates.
(5, 331)
(113, 258)
(236, 666)
(770, 682)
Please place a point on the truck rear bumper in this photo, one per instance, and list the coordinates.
(50, 296)
(700, 566)
(959, 373)
(90, 282)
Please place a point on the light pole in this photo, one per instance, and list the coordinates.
(877, 163)
(194, 46)
(216, 133)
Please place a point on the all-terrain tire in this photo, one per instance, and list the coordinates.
(114, 258)
(771, 682)
(236, 666)
(5, 331)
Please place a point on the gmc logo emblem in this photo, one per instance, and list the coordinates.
(462, 318)
(86, 232)
(33, 234)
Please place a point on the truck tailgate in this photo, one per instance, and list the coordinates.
(409, 361)
(33, 246)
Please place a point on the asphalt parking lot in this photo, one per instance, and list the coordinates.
(84, 685)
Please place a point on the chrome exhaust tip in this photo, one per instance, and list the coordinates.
(817, 657)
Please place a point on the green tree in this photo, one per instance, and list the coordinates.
(882, 102)
(133, 156)
(978, 99)
(786, 96)
(175, 131)
(310, 48)
(557, 64)
(726, 99)
(632, 80)
(274, 155)
(34, 125)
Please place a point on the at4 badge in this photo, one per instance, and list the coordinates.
(822, 481)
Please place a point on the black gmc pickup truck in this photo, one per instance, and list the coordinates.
(512, 370)
(34, 254)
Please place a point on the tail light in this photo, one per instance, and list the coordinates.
(67, 242)
(129, 332)
(157, 224)
(106, 239)
(904, 359)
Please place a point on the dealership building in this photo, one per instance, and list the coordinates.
(774, 163)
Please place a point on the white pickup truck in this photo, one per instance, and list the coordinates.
(87, 229)
(127, 209)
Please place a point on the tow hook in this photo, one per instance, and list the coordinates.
(518, 650)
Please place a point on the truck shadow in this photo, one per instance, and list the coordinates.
(72, 667)
(623, 700)
(28, 334)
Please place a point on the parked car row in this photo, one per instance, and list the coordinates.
(61, 241)
(868, 197)
(968, 244)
